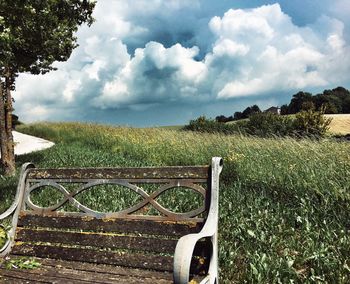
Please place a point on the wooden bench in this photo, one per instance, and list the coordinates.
(145, 243)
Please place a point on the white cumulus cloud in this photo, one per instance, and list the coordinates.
(155, 52)
(271, 53)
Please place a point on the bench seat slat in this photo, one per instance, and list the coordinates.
(144, 261)
(103, 268)
(115, 274)
(166, 173)
(166, 228)
(47, 274)
(101, 240)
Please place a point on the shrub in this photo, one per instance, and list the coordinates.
(269, 124)
(307, 123)
(203, 124)
(311, 123)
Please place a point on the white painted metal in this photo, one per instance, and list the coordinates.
(186, 244)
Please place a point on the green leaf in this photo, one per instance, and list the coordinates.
(251, 233)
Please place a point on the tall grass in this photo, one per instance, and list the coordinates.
(284, 203)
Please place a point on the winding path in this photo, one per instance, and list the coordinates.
(25, 144)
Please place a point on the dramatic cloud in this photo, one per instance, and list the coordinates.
(185, 53)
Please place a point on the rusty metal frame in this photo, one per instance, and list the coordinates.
(186, 244)
(15, 209)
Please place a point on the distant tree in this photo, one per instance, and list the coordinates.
(255, 109)
(297, 101)
(342, 96)
(330, 108)
(238, 115)
(346, 105)
(33, 35)
(308, 105)
(221, 118)
(250, 110)
(284, 109)
(339, 92)
(332, 102)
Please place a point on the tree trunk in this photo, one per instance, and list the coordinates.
(3, 132)
(7, 143)
(8, 113)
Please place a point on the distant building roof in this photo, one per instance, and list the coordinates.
(273, 109)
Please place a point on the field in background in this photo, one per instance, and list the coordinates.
(340, 123)
(284, 203)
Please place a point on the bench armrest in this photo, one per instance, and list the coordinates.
(14, 209)
(185, 246)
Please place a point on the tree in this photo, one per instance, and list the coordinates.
(308, 105)
(346, 105)
(297, 101)
(250, 110)
(237, 115)
(223, 119)
(284, 109)
(33, 35)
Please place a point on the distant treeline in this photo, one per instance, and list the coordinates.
(330, 102)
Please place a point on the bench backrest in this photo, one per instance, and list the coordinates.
(143, 235)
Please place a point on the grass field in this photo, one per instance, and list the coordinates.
(340, 123)
(284, 203)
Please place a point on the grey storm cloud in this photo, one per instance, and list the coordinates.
(141, 55)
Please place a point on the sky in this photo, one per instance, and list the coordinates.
(165, 62)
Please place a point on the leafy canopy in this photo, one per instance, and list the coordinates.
(36, 33)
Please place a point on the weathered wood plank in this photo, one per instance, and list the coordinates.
(103, 268)
(123, 226)
(185, 172)
(144, 261)
(101, 240)
(34, 276)
(8, 280)
(68, 275)
(104, 240)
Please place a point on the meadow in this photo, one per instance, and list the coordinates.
(284, 203)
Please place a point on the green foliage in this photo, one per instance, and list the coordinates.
(284, 109)
(311, 123)
(308, 105)
(270, 124)
(3, 236)
(250, 111)
(308, 123)
(297, 101)
(284, 203)
(21, 263)
(203, 124)
(34, 34)
(330, 101)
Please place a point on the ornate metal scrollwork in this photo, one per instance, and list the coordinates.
(7, 242)
(147, 199)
